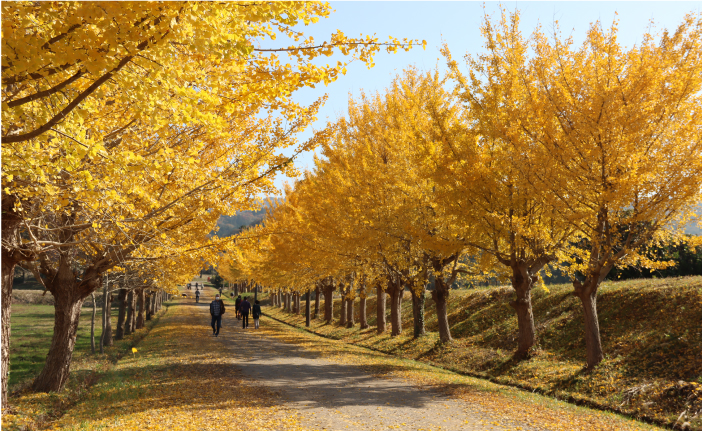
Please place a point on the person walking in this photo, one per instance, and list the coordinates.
(256, 313)
(197, 296)
(245, 307)
(216, 311)
(237, 304)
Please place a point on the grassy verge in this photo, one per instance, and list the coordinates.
(32, 329)
(179, 380)
(650, 332)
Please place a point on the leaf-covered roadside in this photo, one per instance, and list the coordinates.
(180, 378)
(652, 369)
(503, 404)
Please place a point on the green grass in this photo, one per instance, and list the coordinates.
(31, 332)
(650, 330)
(32, 329)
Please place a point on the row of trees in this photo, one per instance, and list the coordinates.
(128, 130)
(541, 155)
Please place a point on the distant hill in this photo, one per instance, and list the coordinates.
(231, 224)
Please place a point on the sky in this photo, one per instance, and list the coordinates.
(458, 25)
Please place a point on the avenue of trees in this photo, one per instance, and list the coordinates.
(128, 129)
(536, 154)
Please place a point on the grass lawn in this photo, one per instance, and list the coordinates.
(651, 335)
(32, 329)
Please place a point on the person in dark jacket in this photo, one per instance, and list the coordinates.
(256, 313)
(237, 304)
(216, 311)
(244, 308)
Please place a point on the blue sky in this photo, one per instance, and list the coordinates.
(458, 24)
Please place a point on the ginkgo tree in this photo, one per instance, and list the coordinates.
(605, 142)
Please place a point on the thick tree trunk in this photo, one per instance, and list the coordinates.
(8, 272)
(587, 292)
(141, 303)
(329, 303)
(395, 308)
(297, 303)
(92, 325)
(307, 309)
(381, 301)
(11, 222)
(350, 321)
(418, 300)
(67, 307)
(522, 282)
(316, 301)
(122, 315)
(440, 295)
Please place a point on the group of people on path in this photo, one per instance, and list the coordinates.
(242, 306)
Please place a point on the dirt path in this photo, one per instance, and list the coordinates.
(332, 396)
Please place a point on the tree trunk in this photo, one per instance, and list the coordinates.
(521, 283)
(92, 325)
(297, 303)
(67, 306)
(122, 315)
(10, 236)
(350, 322)
(381, 301)
(316, 301)
(8, 272)
(418, 300)
(395, 308)
(342, 308)
(107, 333)
(141, 303)
(129, 324)
(307, 309)
(440, 295)
(147, 306)
(329, 302)
(363, 318)
(587, 292)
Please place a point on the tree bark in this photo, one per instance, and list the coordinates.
(363, 318)
(342, 308)
(440, 295)
(10, 236)
(316, 301)
(92, 325)
(68, 301)
(350, 321)
(307, 309)
(381, 300)
(329, 302)
(147, 306)
(141, 303)
(522, 282)
(587, 292)
(122, 315)
(107, 332)
(395, 308)
(130, 322)
(418, 300)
